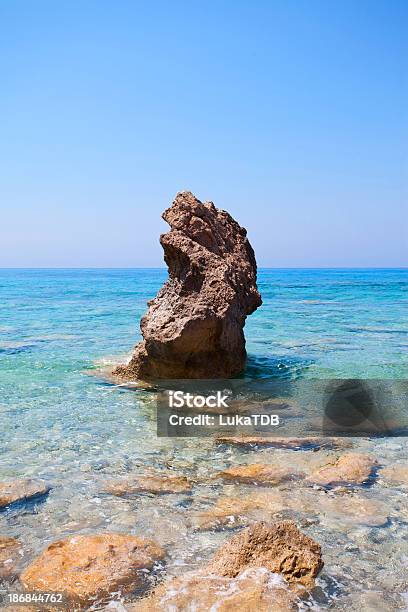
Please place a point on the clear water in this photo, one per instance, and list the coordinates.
(77, 431)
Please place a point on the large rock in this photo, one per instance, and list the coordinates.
(21, 490)
(278, 547)
(194, 326)
(85, 568)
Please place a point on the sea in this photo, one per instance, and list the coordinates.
(62, 421)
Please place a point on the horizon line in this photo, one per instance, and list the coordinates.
(164, 268)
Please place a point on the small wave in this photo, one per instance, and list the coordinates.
(112, 360)
(276, 366)
(51, 337)
(377, 330)
(14, 347)
(18, 346)
(317, 302)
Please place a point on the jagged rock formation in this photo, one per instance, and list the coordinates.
(280, 547)
(194, 326)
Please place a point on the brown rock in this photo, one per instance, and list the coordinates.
(9, 554)
(21, 490)
(88, 567)
(194, 326)
(279, 547)
(259, 474)
(397, 474)
(149, 483)
(254, 590)
(311, 442)
(352, 468)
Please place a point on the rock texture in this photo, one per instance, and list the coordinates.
(349, 469)
(21, 490)
(278, 547)
(90, 567)
(194, 326)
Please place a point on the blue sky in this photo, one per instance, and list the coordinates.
(292, 115)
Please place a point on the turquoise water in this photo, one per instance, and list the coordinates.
(314, 323)
(76, 430)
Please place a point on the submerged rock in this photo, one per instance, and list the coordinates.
(306, 504)
(279, 547)
(307, 443)
(194, 326)
(149, 483)
(352, 510)
(255, 589)
(258, 473)
(84, 568)
(21, 490)
(230, 512)
(9, 555)
(396, 474)
(351, 468)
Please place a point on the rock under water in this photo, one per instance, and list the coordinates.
(155, 483)
(85, 568)
(193, 328)
(21, 489)
(349, 469)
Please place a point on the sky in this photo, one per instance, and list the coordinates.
(290, 114)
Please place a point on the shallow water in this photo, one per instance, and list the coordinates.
(78, 431)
